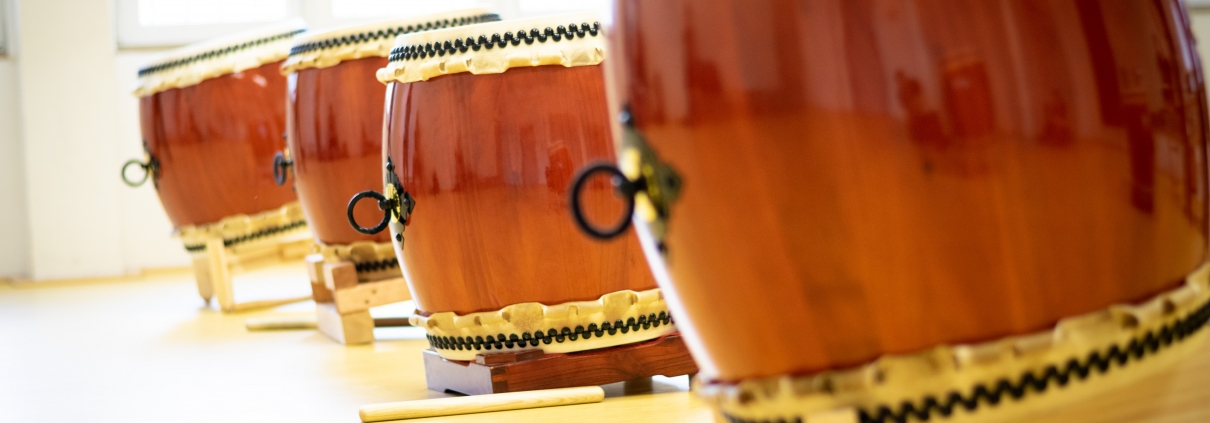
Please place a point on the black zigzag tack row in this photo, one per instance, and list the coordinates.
(439, 48)
(218, 52)
(227, 242)
(375, 266)
(391, 32)
(501, 341)
(1101, 362)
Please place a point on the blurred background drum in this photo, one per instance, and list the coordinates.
(893, 209)
(334, 112)
(485, 127)
(211, 116)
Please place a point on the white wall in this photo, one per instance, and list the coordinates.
(68, 125)
(1200, 20)
(78, 125)
(14, 232)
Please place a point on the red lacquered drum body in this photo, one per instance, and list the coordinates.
(212, 119)
(863, 178)
(335, 112)
(335, 119)
(488, 154)
(213, 142)
(489, 159)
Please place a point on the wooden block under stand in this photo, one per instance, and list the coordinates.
(320, 293)
(371, 294)
(315, 271)
(348, 329)
(532, 370)
(347, 310)
(340, 275)
(315, 267)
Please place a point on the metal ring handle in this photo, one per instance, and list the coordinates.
(279, 168)
(624, 187)
(386, 216)
(146, 172)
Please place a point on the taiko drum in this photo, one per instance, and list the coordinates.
(211, 117)
(845, 180)
(334, 111)
(485, 126)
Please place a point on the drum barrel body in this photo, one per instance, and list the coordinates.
(865, 178)
(334, 117)
(489, 159)
(214, 142)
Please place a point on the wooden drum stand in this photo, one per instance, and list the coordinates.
(532, 369)
(237, 242)
(346, 281)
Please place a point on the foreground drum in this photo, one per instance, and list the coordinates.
(211, 116)
(883, 211)
(334, 115)
(485, 127)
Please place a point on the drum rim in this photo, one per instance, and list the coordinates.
(242, 228)
(194, 63)
(574, 39)
(558, 328)
(326, 48)
(945, 379)
(370, 259)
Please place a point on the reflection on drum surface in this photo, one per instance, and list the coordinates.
(489, 159)
(864, 178)
(215, 142)
(335, 123)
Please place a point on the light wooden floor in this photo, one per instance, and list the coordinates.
(145, 349)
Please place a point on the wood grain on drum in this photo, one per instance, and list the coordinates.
(335, 130)
(865, 178)
(215, 143)
(489, 159)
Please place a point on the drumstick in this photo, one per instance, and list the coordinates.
(386, 322)
(252, 305)
(480, 403)
(309, 322)
(280, 323)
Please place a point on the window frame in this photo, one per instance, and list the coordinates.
(129, 33)
(5, 28)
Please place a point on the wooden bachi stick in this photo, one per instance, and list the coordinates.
(480, 403)
(309, 322)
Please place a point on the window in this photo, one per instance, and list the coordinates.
(563, 6)
(335, 13)
(160, 23)
(528, 8)
(4, 13)
(353, 9)
(190, 12)
(157, 23)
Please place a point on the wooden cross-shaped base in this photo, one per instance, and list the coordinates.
(342, 303)
(532, 369)
(214, 267)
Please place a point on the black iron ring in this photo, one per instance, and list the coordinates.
(146, 172)
(386, 217)
(280, 164)
(625, 187)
